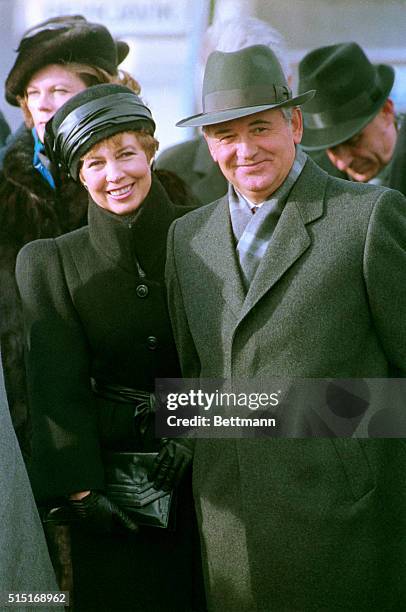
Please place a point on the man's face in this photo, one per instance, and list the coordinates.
(256, 153)
(364, 155)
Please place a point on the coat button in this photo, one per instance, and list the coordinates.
(142, 291)
(152, 343)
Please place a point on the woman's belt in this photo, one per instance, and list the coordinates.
(119, 393)
(143, 402)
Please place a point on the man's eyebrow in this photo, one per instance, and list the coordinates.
(227, 130)
(260, 121)
(220, 131)
(353, 139)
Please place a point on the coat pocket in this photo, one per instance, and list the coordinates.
(356, 466)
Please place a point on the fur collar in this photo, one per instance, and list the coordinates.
(29, 207)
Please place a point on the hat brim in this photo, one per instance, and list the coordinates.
(328, 137)
(229, 114)
(122, 51)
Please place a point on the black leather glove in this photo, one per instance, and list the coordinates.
(171, 463)
(100, 515)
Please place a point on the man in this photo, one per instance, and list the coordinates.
(351, 116)
(312, 285)
(191, 160)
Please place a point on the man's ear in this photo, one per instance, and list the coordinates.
(210, 144)
(388, 111)
(297, 124)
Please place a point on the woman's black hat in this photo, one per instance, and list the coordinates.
(64, 39)
(350, 93)
(92, 115)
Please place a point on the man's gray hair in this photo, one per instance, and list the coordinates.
(287, 112)
(238, 33)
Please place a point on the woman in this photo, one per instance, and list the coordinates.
(98, 335)
(56, 59)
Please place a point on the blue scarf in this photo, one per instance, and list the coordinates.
(37, 161)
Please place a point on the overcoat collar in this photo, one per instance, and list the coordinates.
(291, 238)
(137, 243)
(289, 242)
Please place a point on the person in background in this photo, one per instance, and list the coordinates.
(397, 178)
(4, 130)
(98, 335)
(352, 117)
(25, 566)
(55, 60)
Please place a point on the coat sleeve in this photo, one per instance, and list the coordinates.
(188, 356)
(385, 275)
(66, 453)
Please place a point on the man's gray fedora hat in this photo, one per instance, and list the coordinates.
(350, 92)
(242, 83)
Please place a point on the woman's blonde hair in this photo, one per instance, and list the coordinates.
(90, 75)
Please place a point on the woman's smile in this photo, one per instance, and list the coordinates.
(121, 192)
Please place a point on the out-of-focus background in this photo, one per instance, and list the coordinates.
(165, 37)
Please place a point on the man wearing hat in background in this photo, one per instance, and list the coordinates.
(290, 270)
(351, 116)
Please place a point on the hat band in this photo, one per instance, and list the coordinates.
(357, 107)
(82, 123)
(238, 98)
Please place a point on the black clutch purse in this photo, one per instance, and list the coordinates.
(127, 485)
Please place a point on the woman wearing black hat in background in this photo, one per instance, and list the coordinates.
(98, 335)
(56, 59)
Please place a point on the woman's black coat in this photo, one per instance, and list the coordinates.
(29, 209)
(95, 308)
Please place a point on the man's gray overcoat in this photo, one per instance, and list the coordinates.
(298, 524)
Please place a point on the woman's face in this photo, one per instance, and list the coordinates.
(117, 173)
(47, 90)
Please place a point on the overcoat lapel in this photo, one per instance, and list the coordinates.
(215, 243)
(291, 238)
